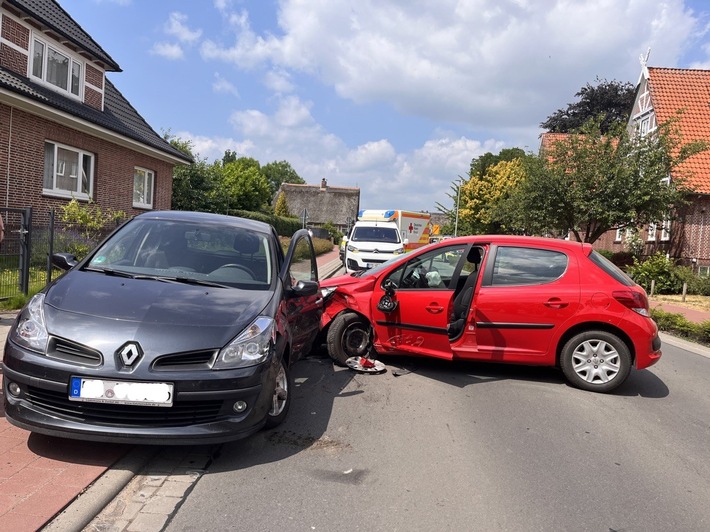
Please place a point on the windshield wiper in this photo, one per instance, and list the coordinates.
(187, 280)
(119, 273)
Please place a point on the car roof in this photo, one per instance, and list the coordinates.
(207, 217)
(570, 245)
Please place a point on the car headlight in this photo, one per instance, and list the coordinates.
(327, 292)
(251, 347)
(31, 330)
(398, 251)
(353, 249)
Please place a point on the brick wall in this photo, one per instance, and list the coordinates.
(13, 60)
(16, 33)
(93, 98)
(690, 236)
(94, 76)
(22, 138)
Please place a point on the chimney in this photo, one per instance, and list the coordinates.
(323, 184)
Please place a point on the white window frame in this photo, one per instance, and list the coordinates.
(645, 126)
(85, 160)
(73, 63)
(619, 233)
(666, 230)
(651, 237)
(148, 177)
(703, 271)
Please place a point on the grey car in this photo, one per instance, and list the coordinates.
(180, 328)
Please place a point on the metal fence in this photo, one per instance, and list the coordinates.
(26, 249)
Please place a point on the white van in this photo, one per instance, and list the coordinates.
(371, 243)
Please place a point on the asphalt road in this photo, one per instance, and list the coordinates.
(431, 445)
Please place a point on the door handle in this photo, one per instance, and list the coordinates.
(434, 308)
(555, 302)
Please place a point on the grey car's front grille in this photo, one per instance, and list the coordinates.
(180, 414)
(62, 349)
(198, 360)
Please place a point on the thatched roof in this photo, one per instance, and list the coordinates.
(322, 202)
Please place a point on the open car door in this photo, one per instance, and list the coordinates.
(413, 311)
(462, 326)
(299, 275)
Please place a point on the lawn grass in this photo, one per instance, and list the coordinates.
(694, 302)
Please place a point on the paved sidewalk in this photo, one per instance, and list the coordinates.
(692, 315)
(41, 476)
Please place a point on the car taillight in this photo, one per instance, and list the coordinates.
(636, 301)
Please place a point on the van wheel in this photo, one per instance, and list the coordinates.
(348, 336)
(596, 361)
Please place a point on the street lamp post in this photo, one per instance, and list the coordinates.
(458, 202)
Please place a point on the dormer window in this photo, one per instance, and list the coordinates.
(56, 68)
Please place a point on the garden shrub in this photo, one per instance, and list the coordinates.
(678, 325)
(623, 259)
(656, 268)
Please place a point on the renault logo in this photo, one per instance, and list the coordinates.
(130, 353)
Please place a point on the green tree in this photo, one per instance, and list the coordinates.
(229, 157)
(281, 207)
(279, 172)
(243, 185)
(484, 201)
(591, 183)
(480, 165)
(477, 170)
(611, 99)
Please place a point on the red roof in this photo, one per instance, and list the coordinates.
(674, 89)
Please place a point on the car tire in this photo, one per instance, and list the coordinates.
(281, 397)
(597, 361)
(348, 336)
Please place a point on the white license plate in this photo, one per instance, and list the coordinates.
(121, 392)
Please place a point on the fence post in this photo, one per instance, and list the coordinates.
(50, 245)
(25, 249)
(653, 286)
(685, 290)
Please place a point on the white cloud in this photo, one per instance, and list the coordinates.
(278, 81)
(462, 62)
(413, 180)
(167, 50)
(488, 68)
(176, 27)
(222, 85)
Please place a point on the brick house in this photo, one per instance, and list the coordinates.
(337, 205)
(660, 94)
(65, 130)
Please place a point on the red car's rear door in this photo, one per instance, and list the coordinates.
(524, 296)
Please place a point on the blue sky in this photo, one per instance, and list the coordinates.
(395, 97)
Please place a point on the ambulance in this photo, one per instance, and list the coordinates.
(379, 235)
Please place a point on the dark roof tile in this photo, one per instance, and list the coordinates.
(118, 115)
(51, 14)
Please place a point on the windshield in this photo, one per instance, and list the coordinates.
(388, 235)
(189, 252)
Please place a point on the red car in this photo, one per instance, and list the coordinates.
(509, 299)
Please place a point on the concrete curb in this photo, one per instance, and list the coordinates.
(684, 344)
(88, 504)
